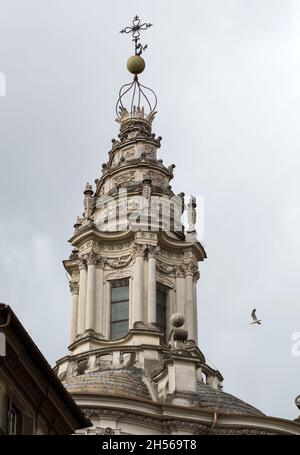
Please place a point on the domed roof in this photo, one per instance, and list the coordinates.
(120, 382)
(128, 382)
(216, 400)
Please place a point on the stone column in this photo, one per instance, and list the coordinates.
(170, 310)
(99, 298)
(195, 280)
(180, 290)
(151, 301)
(189, 301)
(82, 297)
(138, 284)
(74, 288)
(90, 297)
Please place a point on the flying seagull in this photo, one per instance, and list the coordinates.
(255, 320)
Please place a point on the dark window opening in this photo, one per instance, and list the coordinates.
(15, 421)
(161, 308)
(119, 317)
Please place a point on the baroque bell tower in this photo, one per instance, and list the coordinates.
(132, 264)
(134, 365)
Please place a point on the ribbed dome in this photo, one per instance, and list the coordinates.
(118, 382)
(215, 400)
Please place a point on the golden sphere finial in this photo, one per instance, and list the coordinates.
(136, 64)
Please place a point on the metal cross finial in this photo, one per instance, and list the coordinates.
(135, 30)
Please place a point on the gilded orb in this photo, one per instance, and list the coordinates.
(136, 64)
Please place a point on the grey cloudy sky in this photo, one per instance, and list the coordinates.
(227, 74)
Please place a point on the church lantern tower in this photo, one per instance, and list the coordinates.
(134, 365)
(132, 265)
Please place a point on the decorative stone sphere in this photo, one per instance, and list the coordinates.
(180, 334)
(177, 320)
(136, 64)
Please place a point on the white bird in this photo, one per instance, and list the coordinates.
(255, 320)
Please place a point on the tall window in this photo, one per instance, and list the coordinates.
(161, 307)
(119, 308)
(15, 421)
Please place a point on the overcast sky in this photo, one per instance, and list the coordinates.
(227, 75)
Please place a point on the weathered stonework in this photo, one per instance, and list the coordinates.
(154, 379)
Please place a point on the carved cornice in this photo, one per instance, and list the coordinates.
(98, 413)
(107, 248)
(245, 431)
(170, 425)
(177, 425)
(141, 235)
(97, 431)
(88, 244)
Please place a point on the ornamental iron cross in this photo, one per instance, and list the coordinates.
(135, 30)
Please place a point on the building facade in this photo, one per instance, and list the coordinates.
(134, 365)
(32, 399)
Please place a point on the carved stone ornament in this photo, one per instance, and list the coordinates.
(164, 268)
(170, 425)
(147, 190)
(88, 200)
(92, 258)
(191, 214)
(120, 262)
(129, 153)
(197, 276)
(156, 178)
(114, 246)
(191, 268)
(193, 427)
(118, 274)
(165, 282)
(82, 264)
(146, 235)
(180, 271)
(98, 413)
(139, 250)
(150, 151)
(152, 250)
(74, 287)
(124, 178)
